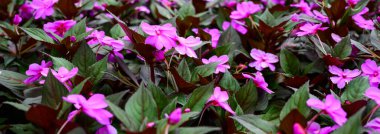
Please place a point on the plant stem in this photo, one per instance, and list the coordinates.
(369, 115)
(67, 121)
(167, 129)
(203, 111)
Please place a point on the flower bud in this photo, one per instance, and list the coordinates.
(17, 19)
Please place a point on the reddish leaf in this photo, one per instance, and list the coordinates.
(42, 116)
(352, 108)
(68, 7)
(184, 25)
(329, 60)
(293, 117)
(183, 86)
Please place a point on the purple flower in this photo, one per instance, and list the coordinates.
(227, 3)
(222, 63)
(100, 7)
(36, 71)
(304, 7)
(43, 8)
(26, 11)
(342, 76)
(93, 107)
(106, 129)
(352, 2)
(259, 81)
(237, 25)
(95, 37)
(17, 19)
(295, 17)
(373, 126)
(315, 128)
(319, 16)
(374, 94)
(175, 116)
(215, 35)
(331, 106)
(143, 9)
(59, 27)
(370, 69)
(63, 74)
(160, 36)
(219, 98)
(263, 60)
(244, 10)
(185, 44)
(362, 22)
(298, 129)
(310, 29)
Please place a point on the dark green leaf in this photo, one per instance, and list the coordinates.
(186, 10)
(375, 41)
(117, 32)
(196, 130)
(169, 108)
(255, 124)
(38, 34)
(53, 91)
(122, 116)
(343, 48)
(116, 97)
(158, 95)
(205, 70)
(83, 59)
(199, 97)
(289, 62)
(98, 69)
(355, 89)
(22, 107)
(13, 81)
(297, 101)
(77, 29)
(184, 71)
(229, 82)
(359, 6)
(61, 62)
(247, 96)
(230, 37)
(353, 124)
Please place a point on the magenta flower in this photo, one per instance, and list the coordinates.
(373, 126)
(227, 3)
(95, 37)
(222, 63)
(175, 116)
(63, 74)
(160, 36)
(310, 29)
(259, 81)
(26, 11)
(315, 128)
(100, 7)
(116, 45)
(295, 17)
(298, 129)
(374, 94)
(167, 3)
(215, 35)
(319, 16)
(93, 107)
(43, 8)
(237, 25)
(17, 19)
(342, 76)
(219, 98)
(304, 7)
(59, 27)
(362, 22)
(244, 10)
(36, 71)
(331, 106)
(370, 69)
(106, 129)
(185, 46)
(142, 9)
(352, 2)
(263, 60)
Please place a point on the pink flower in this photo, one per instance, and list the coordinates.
(17, 19)
(100, 7)
(342, 76)
(106, 129)
(222, 60)
(227, 3)
(263, 60)
(352, 2)
(319, 16)
(93, 107)
(63, 74)
(219, 98)
(237, 25)
(298, 129)
(310, 29)
(143, 9)
(116, 45)
(59, 27)
(259, 81)
(295, 17)
(304, 7)
(244, 10)
(175, 116)
(167, 3)
(185, 46)
(215, 35)
(95, 37)
(373, 126)
(43, 8)
(370, 69)
(160, 36)
(362, 22)
(26, 11)
(36, 71)
(331, 106)
(374, 94)
(315, 128)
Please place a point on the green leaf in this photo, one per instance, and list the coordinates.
(343, 48)
(229, 82)
(196, 130)
(205, 70)
(353, 124)
(289, 62)
(185, 117)
(158, 95)
(232, 38)
(169, 108)
(83, 59)
(255, 124)
(121, 115)
(164, 12)
(117, 32)
(297, 101)
(98, 69)
(184, 71)
(247, 96)
(38, 34)
(13, 81)
(186, 10)
(199, 97)
(268, 18)
(359, 7)
(375, 41)
(116, 97)
(53, 91)
(355, 89)
(22, 107)
(141, 106)
(61, 62)
(77, 29)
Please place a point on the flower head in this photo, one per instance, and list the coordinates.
(43, 8)
(342, 77)
(373, 125)
(26, 11)
(93, 107)
(310, 29)
(298, 129)
(331, 106)
(59, 27)
(304, 7)
(160, 36)
(215, 35)
(237, 25)
(95, 37)
(185, 46)
(219, 98)
(244, 10)
(106, 129)
(370, 69)
(142, 9)
(222, 60)
(17, 19)
(175, 116)
(374, 94)
(315, 128)
(263, 60)
(36, 71)
(362, 22)
(259, 81)
(63, 74)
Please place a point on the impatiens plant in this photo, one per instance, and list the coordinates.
(190, 66)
